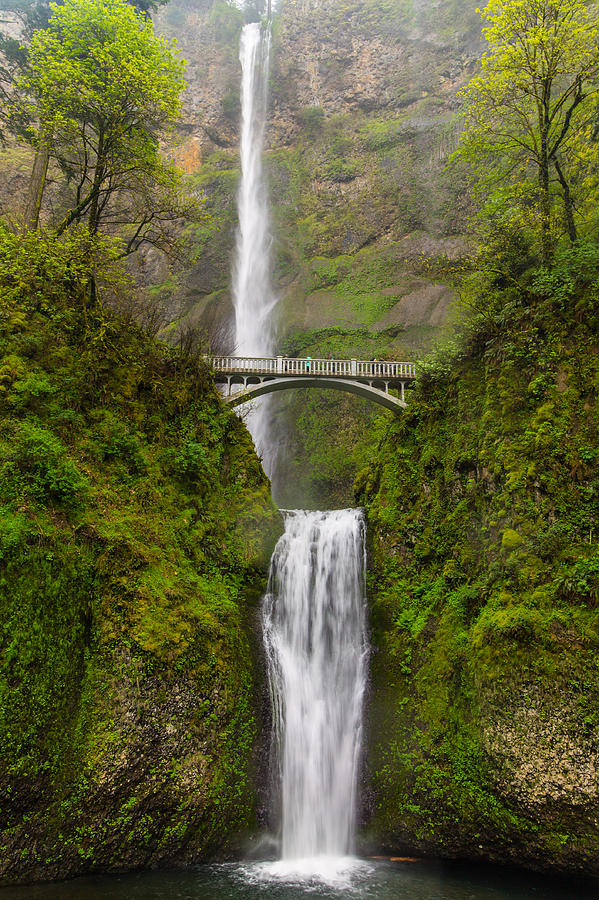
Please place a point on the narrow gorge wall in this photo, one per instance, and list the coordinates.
(135, 531)
(483, 510)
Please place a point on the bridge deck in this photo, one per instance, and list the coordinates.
(389, 371)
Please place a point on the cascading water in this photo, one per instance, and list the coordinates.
(253, 296)
(313, 614)
(315, 638)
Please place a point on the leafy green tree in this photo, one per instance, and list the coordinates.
(105, 91)
(530, 114)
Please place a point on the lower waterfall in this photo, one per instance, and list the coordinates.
(314, 625)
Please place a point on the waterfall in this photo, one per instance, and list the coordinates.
(315, 639)
(253, 297)
(314, 610)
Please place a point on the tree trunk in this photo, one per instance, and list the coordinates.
(93, 209)
(37, 181)
(545, 203)
(546, 247)
(568, 204)
(544, 166)
(93, 218)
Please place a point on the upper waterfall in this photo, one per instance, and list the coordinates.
(253, 296)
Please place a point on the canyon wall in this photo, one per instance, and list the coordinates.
(368, 217)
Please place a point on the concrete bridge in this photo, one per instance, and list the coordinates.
(371, 379)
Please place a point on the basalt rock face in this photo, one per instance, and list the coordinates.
(362, 122)
(363, 118)
(136, 526)
(484, 735)
(368, 57)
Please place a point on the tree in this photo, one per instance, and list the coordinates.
(105, 91)
(530, 112)
(14, 57)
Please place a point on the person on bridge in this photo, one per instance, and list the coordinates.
(308, 361)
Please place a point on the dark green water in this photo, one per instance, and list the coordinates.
(366, 881)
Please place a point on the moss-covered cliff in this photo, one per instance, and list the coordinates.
(135, 527)
(483, 513)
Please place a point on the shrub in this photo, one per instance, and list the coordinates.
(115, 441)
(190, 465)
(40, 468)
(32, 391)
(340, 171)
(231, 104)
(312, 118)
(13, 526)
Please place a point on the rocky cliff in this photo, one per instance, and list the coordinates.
(135, 531)
(363, 119)
(483, 517)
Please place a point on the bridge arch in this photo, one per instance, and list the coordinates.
(271, 385)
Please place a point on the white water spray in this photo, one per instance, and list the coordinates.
(315, 638)
(253, 297)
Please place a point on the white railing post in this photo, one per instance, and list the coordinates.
(279, 363)
(354, 366)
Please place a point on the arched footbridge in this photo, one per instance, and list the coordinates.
(372, 379)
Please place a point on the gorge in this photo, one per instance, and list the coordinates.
(137, 523)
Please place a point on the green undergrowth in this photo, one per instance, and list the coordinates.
(135, 528)
(483, 513)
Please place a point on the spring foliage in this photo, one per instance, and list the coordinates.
(530, 116)
(105, 90)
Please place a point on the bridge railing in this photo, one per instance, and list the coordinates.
(291, 365)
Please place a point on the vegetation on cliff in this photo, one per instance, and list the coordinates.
(484, 506)
(135, 526)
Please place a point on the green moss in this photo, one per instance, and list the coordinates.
(510, 540)
(484, 553)
(135, 531)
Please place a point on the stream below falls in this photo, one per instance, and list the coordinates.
(366, 880)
